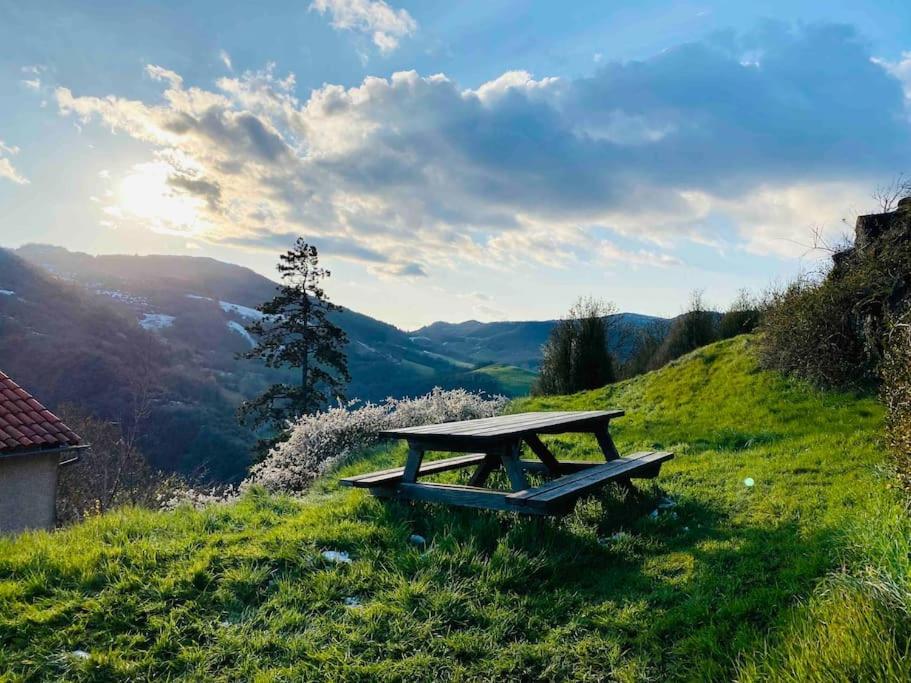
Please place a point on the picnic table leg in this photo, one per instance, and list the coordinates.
(543, 452)
(510, 459)
(479, 478)
(606, 443)
(412, 464)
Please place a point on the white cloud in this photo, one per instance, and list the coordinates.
(901, 69)
(410, 174)
(7, 170)
(226, 59)
(384, 24)
(33, 76)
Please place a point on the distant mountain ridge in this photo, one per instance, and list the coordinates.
(519, 342)
(73, 327)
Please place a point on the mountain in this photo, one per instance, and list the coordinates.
(101, 330)
(203, 304)
(519, 343)
(89, 329)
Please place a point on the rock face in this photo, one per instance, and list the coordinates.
(879, 237)
(871, 228)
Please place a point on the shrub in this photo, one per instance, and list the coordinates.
(742, 316)
(695, 328)
(646, 342)
(576, 356)
(833, 331)
(110, 473)
(896, 390)
(319, 441)
(810, 330)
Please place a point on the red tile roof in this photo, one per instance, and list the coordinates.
(27, 425)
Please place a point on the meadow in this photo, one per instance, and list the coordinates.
(775, 546)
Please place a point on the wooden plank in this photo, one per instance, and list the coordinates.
(509, 421)
(570, 478)
(504, 424)
(395, 474)
(606, 443)
(575, 485)
(485, 469)
(545, 421)
(544, 455)
(454, 494)
(510, 459)
(468, 426)
(412, 463)
(565, 466)
(622, 468)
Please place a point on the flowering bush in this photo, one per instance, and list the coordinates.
(322, 440)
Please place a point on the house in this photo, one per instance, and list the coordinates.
(34, 443)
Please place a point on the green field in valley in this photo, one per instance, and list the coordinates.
(514, 380)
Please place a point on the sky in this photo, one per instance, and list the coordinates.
(475, 160)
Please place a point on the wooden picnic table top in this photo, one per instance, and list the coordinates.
(506, 426)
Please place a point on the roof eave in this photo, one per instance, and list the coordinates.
(45, 451)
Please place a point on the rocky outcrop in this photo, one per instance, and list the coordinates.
(878, 263)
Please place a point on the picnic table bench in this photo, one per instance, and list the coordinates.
(489, 443)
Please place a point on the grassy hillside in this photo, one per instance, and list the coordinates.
(514, 381)
(802, 576)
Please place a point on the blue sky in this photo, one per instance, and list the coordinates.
(486, 160)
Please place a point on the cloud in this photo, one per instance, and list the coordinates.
(7, 170)
(410, 174)
(901, 69)
(385, 25)
(226, 59)
(33, 76)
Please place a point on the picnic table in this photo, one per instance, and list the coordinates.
(490, 443)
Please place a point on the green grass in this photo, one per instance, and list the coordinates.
(514, 380)
(804, 576)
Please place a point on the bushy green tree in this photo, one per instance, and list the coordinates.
(576, 356)
(646, 342)
(695, 328)
(295, 331)
(742, 316)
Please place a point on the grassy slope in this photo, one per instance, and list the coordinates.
(515, 381)
(728, 586)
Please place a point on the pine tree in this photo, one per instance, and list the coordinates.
(295, 331)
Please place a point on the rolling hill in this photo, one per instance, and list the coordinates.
(772, 548)
(518, 343)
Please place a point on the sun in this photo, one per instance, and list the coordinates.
(146, 196)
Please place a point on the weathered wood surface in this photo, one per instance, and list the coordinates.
(491, 429)
(543, 452)
(454, 494)
(395, 474)
(572, 486)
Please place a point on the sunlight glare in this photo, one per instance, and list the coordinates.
(146, 196)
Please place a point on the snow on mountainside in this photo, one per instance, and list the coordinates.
(242, 311)
(235, 326)
(156, 321)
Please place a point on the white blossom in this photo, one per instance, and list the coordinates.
(321, 441)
